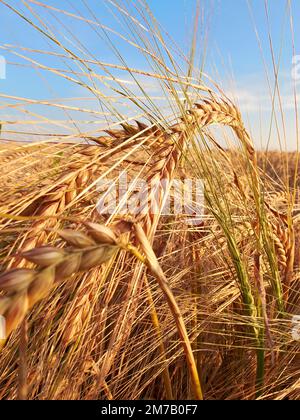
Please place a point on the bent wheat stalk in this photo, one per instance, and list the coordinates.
(155, 269)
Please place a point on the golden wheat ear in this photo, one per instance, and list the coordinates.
(25, 287)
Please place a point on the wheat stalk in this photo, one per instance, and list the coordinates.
(156, 270)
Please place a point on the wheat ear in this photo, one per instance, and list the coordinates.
(172, 143)
(25, 287)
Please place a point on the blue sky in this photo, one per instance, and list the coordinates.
(233, 57)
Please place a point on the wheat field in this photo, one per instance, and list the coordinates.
(133, 302)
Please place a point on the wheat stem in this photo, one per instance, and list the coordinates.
(155, 269)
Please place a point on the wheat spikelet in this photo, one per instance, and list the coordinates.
(25, 287)
(78, 315)
(14, 156)
(242, 231)
(54, 202)
(284, 242)
(216, 112)
(79, 312)
(77, 318)
(280, 247)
